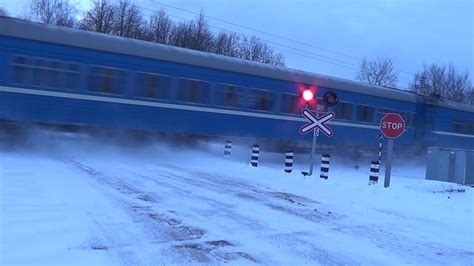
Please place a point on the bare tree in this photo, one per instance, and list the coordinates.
(100, 18)
(256, 50)
(458, 85)
(444, 82)
(430, 81)
(253, 49)
(56, 12)
(128, 21)
(202, 38)
(159, 28)
(193, 35)
(278, 59)
(227, 44)
(470, 96)
(379, 72)
(181, 34)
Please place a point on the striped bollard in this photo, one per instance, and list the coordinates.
(227, 149)
(289, 161)
(255, 153)
(325, 166)
(374, 172)
(380, 139)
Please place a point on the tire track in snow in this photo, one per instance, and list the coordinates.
(111, 236)
(378, 235)
(278, 201)
(168, 231)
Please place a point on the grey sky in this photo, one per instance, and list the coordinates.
(411, 32)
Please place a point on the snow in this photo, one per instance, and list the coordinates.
(85, 202)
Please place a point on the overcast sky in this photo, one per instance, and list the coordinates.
(412, 32)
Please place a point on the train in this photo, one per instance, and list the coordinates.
(69, 77)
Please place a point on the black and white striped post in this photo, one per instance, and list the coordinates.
(325, 166)
(289, 161)
(255, 154)
(374, 172)
(227, 149)
(380, 139)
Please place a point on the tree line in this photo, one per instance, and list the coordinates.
(437, 81)
(126, 19)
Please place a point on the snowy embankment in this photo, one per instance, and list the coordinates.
(91, 203)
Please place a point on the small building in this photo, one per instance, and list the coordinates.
(450, 165)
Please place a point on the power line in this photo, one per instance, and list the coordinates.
(298, 52)
(260, 31)
(325, 59)
(272, 34)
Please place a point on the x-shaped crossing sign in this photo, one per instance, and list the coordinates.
(315, 122)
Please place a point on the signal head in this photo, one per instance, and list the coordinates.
(308, 95)
(330, 98)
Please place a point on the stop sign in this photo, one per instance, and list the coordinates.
(392, 125)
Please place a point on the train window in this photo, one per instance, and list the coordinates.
(469, 128)
(262, 100)
(44, 72)
(406, 118)
(383, 111)
(430, 123)
(72, 76)
(153, 86)
(17, 70)
(409, 119)
(21, 71)
(365, 113)
(72, 67)
(106, 80)
(457, 127)
(413, 119)
(290, 103)
(229, 95)
(343, 111)
(471, 125)
(194, 91)
(19, 60)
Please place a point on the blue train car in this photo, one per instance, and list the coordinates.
(447, 126)
(62, 76)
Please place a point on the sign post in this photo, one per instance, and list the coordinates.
(392, 126)
(316, 123)
(388, 165)
(313, 150)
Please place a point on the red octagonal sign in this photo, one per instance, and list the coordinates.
(392, 125)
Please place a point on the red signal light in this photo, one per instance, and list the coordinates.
(308, 95)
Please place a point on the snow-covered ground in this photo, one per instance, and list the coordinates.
(83, 202)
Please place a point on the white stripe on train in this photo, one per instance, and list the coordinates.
(186, 107)
(167, 105)
(452, 134)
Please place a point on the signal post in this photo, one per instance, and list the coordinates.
(317, 123)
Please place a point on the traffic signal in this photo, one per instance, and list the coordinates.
(330, 98)
(308, 95)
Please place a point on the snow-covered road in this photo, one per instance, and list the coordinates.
(163, 206)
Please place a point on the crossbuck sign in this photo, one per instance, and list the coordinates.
(317, 123)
